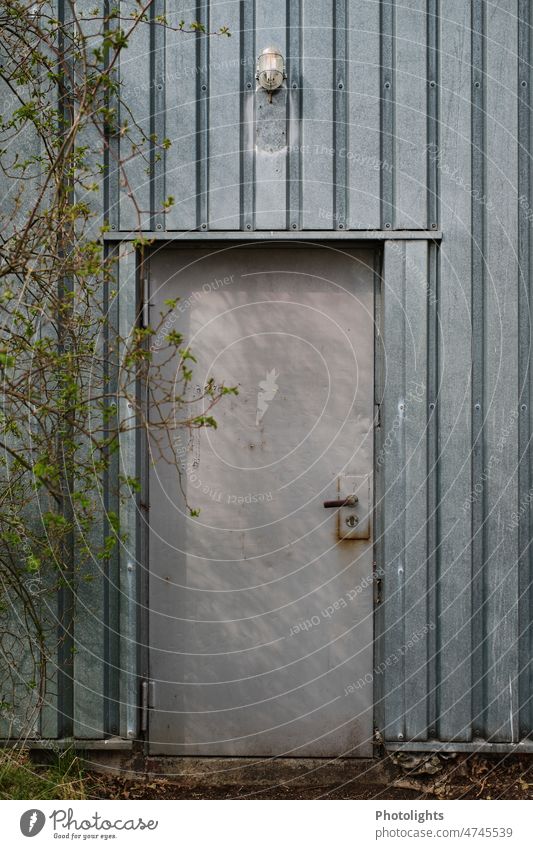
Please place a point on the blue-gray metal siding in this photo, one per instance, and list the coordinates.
(394, 116)
(344, 145)
(457, 479)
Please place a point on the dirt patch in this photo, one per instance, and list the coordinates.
(465, 776)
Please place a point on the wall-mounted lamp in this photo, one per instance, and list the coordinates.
(270, 70)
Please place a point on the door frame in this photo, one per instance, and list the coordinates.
(229, 240)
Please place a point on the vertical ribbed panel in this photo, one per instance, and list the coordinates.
(478, 591)
(125, 626)
(501, 376)
(391, 463)
(158, 192)
(224, 121)
(294, 86)
(363, 115)
(403, 456)
(318, 171)
(410, 128)
(525, 601)
(271, 125)
(181, 78)
(453, 591)
(135, 77)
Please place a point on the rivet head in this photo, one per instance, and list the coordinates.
(158, 226)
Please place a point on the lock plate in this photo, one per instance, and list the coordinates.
(355, 522)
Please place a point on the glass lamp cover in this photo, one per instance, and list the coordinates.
(270, 69)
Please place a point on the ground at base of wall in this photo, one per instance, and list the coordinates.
(427, 777)
(461, 777)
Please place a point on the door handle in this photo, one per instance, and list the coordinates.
(350, 501)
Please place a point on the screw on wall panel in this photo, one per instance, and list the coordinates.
(387, 225)
(295, 85)
(387, 84)
(248, 85)
(158, 226)
(477, 407)
(248, 226)
(434, 226)
(113, 226)
(204, 87)
(432, 84)
(523, 83)
(203, 226)
(432, 406)
(159, 87)
(400, 736)
(294, 226)
(477, 84)
(341, 86)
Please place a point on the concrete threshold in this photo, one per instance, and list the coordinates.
(267, 772)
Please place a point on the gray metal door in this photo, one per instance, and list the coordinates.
(260, 617)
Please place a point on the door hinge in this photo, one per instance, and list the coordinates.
(147, 702)
(378, 591)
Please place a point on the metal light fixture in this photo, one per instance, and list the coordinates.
(270, 70)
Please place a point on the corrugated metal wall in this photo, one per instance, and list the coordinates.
(406, 114)
(456, 634)
(344, 145)
(396, 115)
